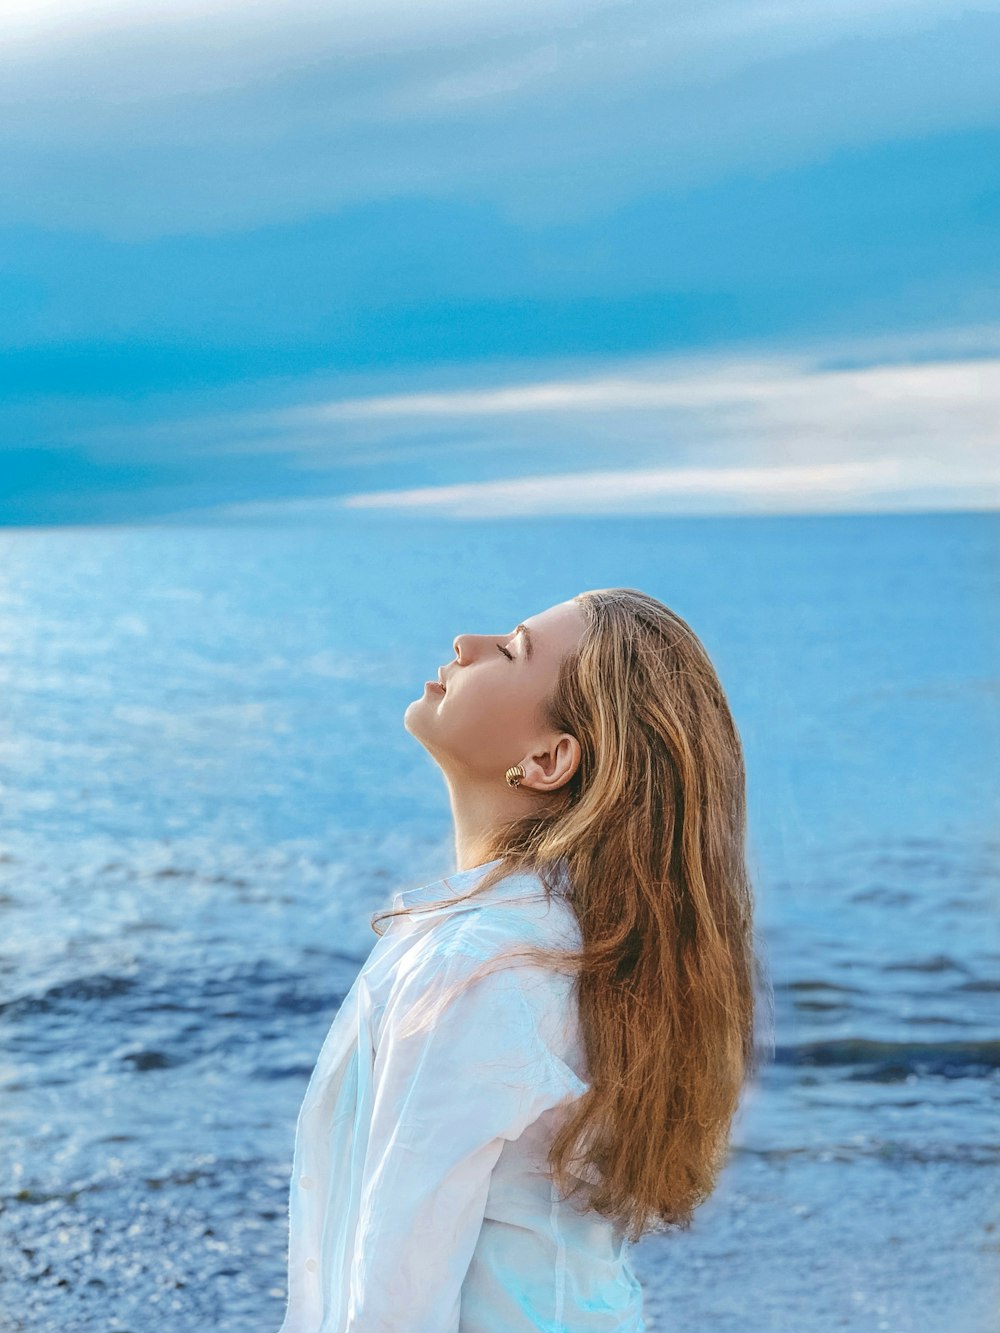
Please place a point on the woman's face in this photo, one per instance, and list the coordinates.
(489, 716)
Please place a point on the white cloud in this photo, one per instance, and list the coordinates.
(879, 485)
(767, 434)
(652, 490)
(712, 384)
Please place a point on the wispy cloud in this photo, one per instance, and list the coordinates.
(778, 434)
(206, 116)
(822, 487)
(737, 382)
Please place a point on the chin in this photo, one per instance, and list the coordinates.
(410, 712)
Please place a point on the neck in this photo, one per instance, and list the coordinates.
(478, 814)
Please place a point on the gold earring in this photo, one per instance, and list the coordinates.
(514, 775)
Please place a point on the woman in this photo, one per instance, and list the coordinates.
(542, 1056)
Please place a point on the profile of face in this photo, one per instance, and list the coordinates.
(488, 715)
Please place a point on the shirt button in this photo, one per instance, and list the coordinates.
(311, 1265)
(306, 1182)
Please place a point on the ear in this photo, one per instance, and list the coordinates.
(547, 770)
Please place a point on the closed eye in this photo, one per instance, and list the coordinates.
(505, 652)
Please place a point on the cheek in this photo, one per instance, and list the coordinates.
(495, 713)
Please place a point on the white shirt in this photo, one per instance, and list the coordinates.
(420, 1199)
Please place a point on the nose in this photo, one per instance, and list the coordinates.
(465, 646)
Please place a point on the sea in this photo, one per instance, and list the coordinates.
(206, 790)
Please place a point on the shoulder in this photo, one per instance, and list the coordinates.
(437, 945)
(516, 913)
(487, 963)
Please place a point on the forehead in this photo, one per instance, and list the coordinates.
(556, 629)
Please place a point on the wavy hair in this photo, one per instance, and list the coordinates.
(647, 840)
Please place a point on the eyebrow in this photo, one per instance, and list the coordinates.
(523, 629)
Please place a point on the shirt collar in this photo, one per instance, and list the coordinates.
(460, 882)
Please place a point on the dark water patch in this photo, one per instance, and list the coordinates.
(891, 1061)
(928, 1020)
(68, 994)
(261, 985)
(891, 1103)
(980, 985)
(197, 876)
(143, 1060)
(270, 1074)
(817, 984)
(939, 962)
(183, 1176)
(884, 1150)
(939, 858)
(172, 1016)
(883, 896)
(71, 1194)
(156, 989)
(142, 927)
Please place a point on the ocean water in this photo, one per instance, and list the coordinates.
(207, 789)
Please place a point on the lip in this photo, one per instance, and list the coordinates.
(434, 685)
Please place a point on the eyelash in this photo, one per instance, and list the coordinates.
(505, 652)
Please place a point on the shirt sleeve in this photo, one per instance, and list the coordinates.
(448, 1092)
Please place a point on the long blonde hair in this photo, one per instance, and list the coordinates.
(648, 842)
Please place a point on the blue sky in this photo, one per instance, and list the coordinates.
(287, 259)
